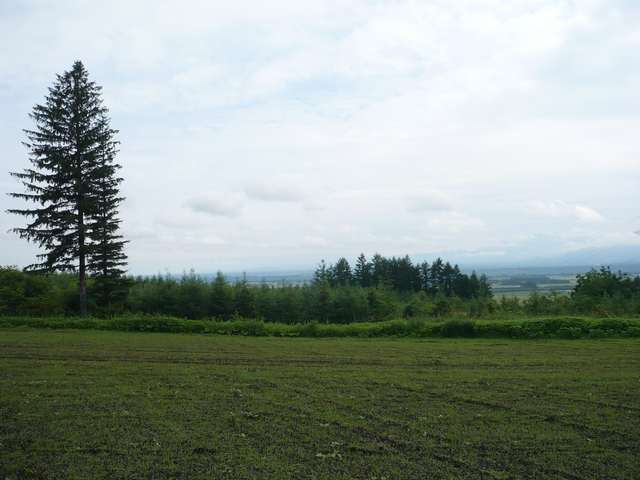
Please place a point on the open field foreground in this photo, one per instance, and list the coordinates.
(88, 404)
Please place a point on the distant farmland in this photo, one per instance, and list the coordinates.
(522, 286)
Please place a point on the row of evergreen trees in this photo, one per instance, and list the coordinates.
(379, 289)
(403, 276)
(193, 297)
(190, 296)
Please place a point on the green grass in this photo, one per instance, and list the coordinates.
(95, 404)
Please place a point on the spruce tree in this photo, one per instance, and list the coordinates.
(362, 271)
(106, 252)
(342, 272)
(73, 182)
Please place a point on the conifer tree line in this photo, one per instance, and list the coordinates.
(382, 289)
(597, 293)
(193, 297)
(404, 276)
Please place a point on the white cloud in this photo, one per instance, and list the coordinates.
(351, 230)
(206, 241)
(178, 222)
(453, 222)
(312, 241)
(141, 232)
(272, 191)
(586, 214)
(427, 200)
(482, 253)
(216, 203)
(559, 208)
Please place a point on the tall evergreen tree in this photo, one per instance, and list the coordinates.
(380, 270)
(425, 278)
(221, 302)
(407, 275)
(322, 273)
(362, 271)
(107, 256)
(73, 180)
(342, 272)
(244, 298)
(437, 276)
(484, 287)
(448, 279)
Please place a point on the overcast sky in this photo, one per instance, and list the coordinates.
(279, 133)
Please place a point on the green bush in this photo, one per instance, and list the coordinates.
(598, 333)
(549, 327)
(496, 328)
(393, 328)
(556, 327)
(458, 329)
(482, 307)
(308, 329)
(633, 332)
(420, 327)
(511, 305)
(569, 333)
(613, 324)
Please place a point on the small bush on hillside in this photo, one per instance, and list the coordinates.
(458, 329)
(633, 332)
(569, 333)
(598, 333)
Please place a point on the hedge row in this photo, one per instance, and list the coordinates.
(554, 327)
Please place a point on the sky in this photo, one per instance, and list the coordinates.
(275, 134)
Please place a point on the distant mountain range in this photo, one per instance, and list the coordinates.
(618, 257)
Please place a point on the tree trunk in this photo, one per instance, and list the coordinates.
(82, 287)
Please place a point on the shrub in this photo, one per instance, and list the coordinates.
(614, 324)
(309, 329)
(504, 328)
(482, 307)
(458, 329)
(419, 327)
(597, 333)
(558, 327)
(394, 328)
(548, 327)
(569, 333)
(633, 332)
(254, 328)
(511, 305)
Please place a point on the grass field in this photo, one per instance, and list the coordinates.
(87, 404)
